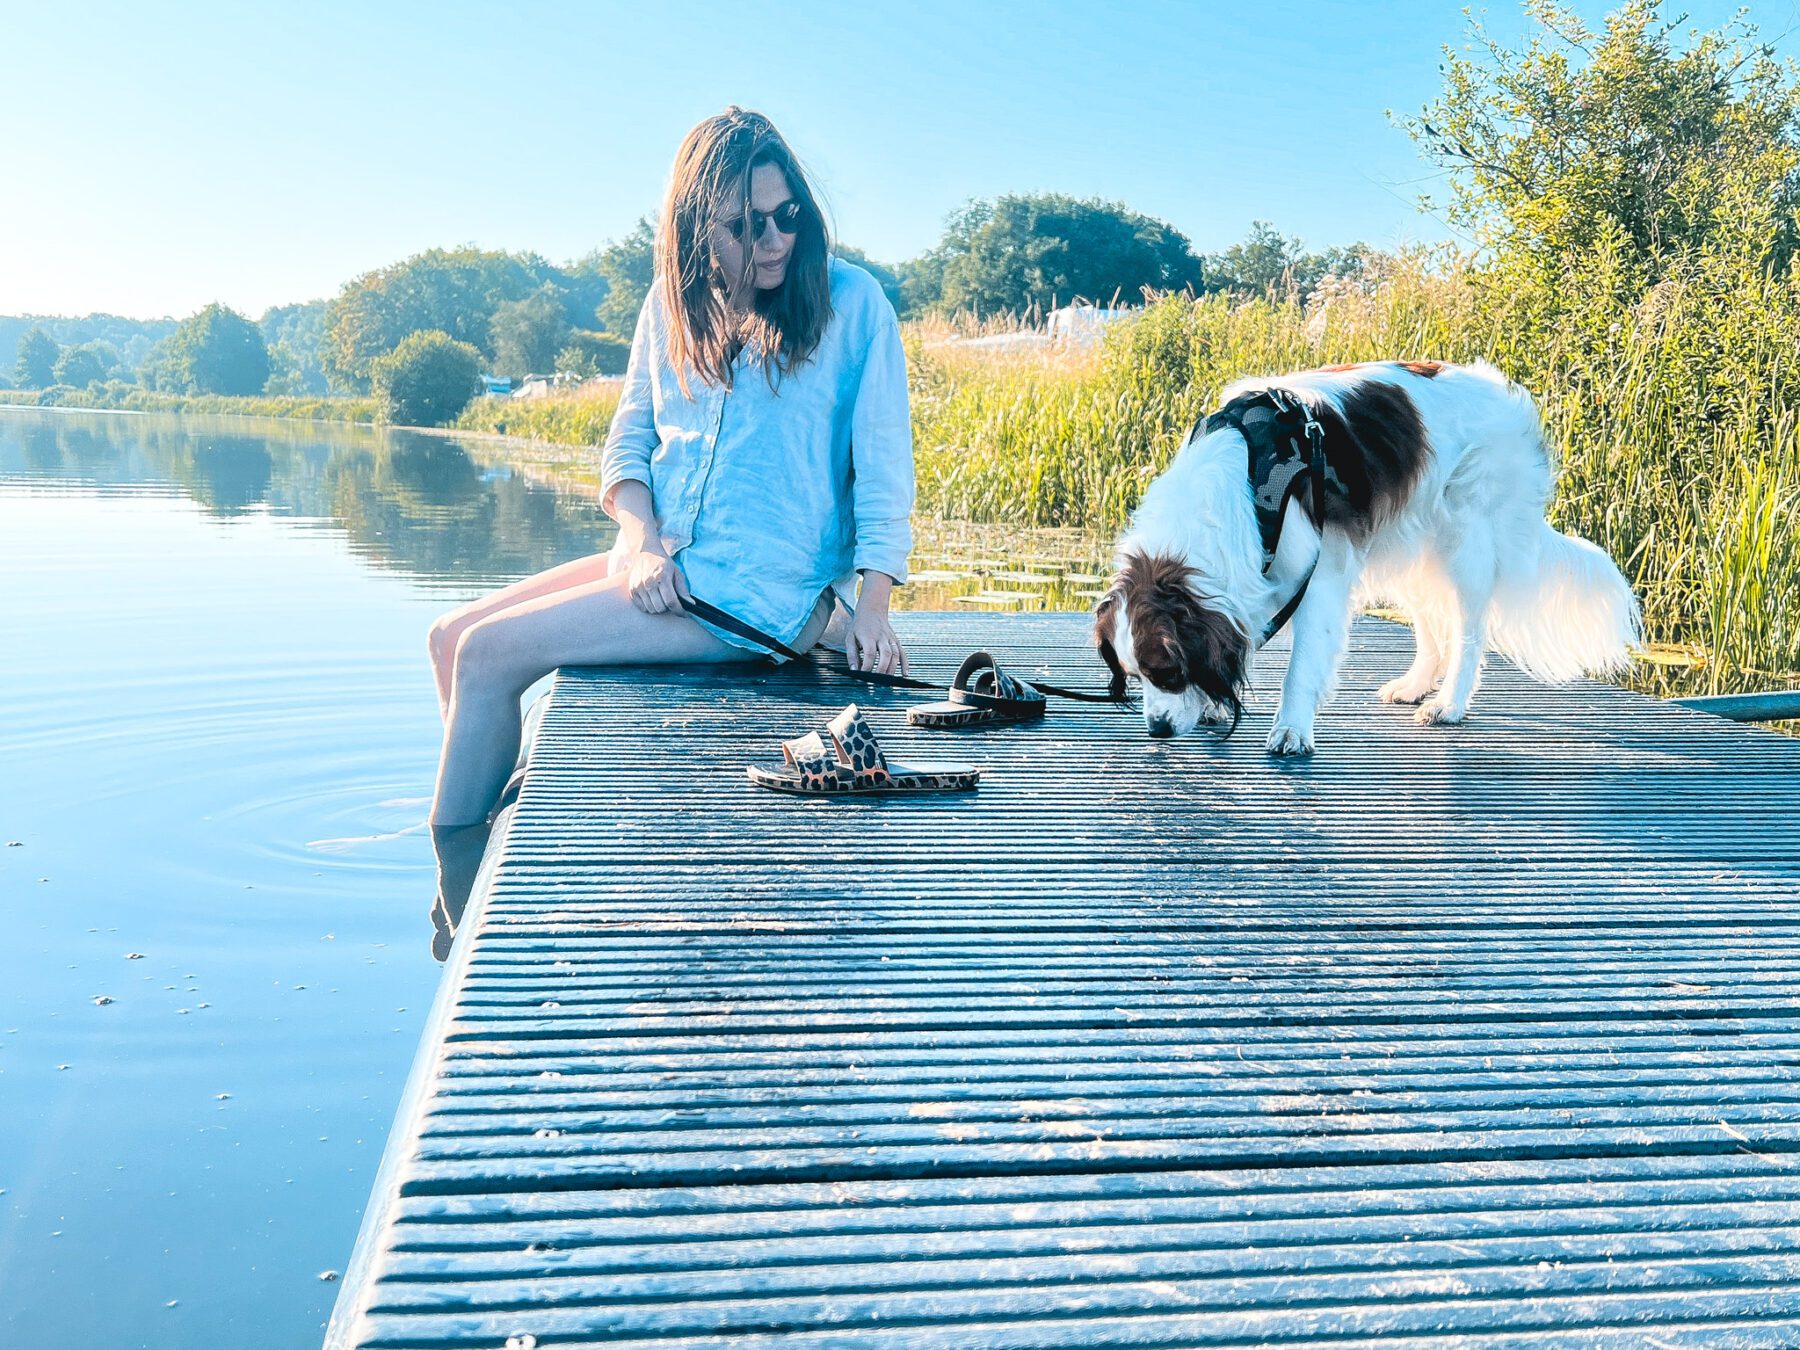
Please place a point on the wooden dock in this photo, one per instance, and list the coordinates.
(1483, 1035)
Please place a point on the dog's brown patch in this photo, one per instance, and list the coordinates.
(1375, 450)
(1428, 369)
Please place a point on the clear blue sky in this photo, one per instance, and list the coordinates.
(158, 157)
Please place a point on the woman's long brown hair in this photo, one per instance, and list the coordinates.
(710, 184)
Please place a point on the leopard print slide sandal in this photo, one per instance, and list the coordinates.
(847, 760)
(981, 695)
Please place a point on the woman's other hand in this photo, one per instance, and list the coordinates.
(656, 583)
(872, 643)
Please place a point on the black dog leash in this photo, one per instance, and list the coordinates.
(718, 618)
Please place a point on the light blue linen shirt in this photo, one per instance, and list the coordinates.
(767, 496)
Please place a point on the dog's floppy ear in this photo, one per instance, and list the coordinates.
(1214, 651)
(1106, 615)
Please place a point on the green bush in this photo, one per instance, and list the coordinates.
(427, 380)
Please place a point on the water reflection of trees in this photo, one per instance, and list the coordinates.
(418, 503)
(229, 475)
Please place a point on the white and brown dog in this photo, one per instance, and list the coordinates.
(1434, 483)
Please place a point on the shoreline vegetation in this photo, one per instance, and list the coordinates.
(310, 407)
(1685, 471)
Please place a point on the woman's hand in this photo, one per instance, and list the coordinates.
(655, 582)
(872, 643)
(652, 579)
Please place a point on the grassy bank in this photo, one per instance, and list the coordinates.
(131, 399)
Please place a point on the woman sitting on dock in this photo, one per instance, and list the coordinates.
(761, 454)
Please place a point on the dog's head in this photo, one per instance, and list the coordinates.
(1188, 652)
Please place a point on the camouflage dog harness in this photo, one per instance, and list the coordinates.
(1286, 456)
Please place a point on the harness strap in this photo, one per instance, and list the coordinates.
(1286, 452)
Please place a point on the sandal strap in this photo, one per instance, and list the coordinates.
(858, 754)
(804, 749)
(817, 766)
(1003, 693)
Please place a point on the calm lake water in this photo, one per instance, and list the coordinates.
(218, 743)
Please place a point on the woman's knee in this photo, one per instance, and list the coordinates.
(485, 658)
(442, 637)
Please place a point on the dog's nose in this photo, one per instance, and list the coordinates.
(1161, 728)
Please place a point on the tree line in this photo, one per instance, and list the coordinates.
(520, 314)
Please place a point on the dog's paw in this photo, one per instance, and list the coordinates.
(1289, 741)
(1407, 689)
(1439, 711)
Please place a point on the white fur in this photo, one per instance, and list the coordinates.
(1468, 556)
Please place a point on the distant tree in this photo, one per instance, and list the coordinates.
(81, 366)
(583, 288)
(427, 380)
(453, 291)
(153, 370)
(588, 354)
(217, 351)
(291, 375)
(1267, 260)
(1021, 252)
(295, 334)
(110, 360)
(889, 277)
(36, 367)
(629, 266)
(528, 333)
(1349, 260)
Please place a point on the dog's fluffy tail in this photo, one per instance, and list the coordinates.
(1571, 614)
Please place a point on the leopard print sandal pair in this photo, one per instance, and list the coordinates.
(847, 759)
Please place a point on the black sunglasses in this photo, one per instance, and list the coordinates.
(786, 218)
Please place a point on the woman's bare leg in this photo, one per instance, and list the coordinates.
(500, 655)
(447, 631)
